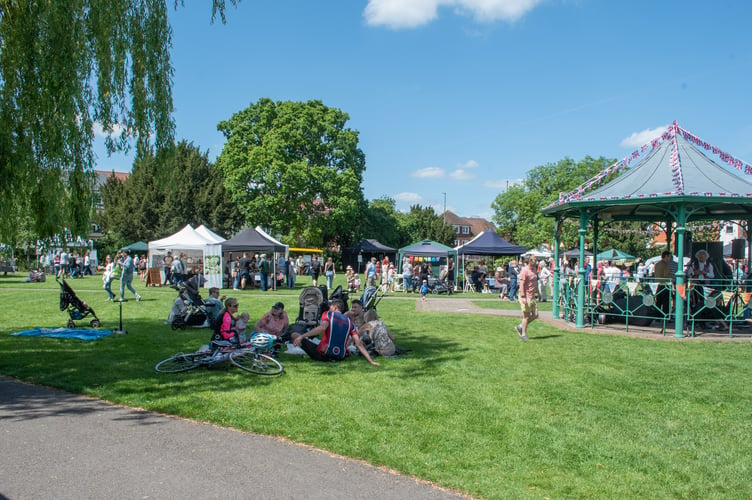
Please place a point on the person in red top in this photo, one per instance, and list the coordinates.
(528, 280)
(336, 330)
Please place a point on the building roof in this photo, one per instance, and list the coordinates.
(101, 176)
(477, 224)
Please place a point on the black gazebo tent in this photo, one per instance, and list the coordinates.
(250, 240)
(366, 249)
(489, 243)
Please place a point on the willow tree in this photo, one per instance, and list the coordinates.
(64, 67)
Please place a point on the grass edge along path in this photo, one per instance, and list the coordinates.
(471, 407)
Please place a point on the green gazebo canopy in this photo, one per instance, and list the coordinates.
(138, 246)
(614, 254)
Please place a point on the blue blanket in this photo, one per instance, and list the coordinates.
(65, 333)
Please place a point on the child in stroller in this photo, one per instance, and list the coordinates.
(77, 308)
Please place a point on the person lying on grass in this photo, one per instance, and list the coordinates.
(335, 330)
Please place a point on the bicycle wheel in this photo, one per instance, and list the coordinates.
(255, 362)
(180, 363)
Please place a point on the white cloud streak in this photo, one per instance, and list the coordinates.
(411, 198)
(462, 175)
(429, 173)
(404, 14)
(637, 139)
(468, 164)
(117, 129)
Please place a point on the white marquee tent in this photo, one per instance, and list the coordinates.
(203, 253)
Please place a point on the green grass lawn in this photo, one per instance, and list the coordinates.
(471, 407)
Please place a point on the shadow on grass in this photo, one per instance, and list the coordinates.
(121, 367)
(542, 337)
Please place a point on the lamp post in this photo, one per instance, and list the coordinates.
(443, 215)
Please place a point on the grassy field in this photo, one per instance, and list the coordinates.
(471, 407)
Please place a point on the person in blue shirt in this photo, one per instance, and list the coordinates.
(126, 279)
(424, 290)
(371, 272)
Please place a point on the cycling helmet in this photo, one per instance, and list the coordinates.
(262, 340)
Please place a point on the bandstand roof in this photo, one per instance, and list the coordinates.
(675, 169)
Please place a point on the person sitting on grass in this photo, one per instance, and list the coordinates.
(356, 313)
(241, 326)
(275, 322)
(213, 306)
(336, 331)
(224, 328)
(380, 339)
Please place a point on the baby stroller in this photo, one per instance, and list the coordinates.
(195, 312)
(312, 306)
(313, 303)
(77, 308)
(441, 286)
(371, 298)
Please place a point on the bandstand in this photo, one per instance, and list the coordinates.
(676, 179)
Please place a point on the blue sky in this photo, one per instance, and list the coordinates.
(454, 99)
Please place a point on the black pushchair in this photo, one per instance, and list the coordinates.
(195, 313)
(371, 298)
(77, 308)
(440, 286)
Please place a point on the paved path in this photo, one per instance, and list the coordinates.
(742, 332)
(57, 445)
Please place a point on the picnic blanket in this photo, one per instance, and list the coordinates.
(65, 333)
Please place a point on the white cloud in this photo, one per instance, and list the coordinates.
(429, 173)
(501, 183)
(411, 198)
(637, 139)
(399, 14)
(468, 164)
(495, 10)
(117, 129)
(462, 175)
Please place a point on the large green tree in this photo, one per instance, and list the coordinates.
(64, 67)
(296, 169)
(423, 223)
(382, 222)
(517, 211)
(164, 193)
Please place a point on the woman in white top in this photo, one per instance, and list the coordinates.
(107, 277)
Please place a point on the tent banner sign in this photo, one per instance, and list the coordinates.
(213, 266)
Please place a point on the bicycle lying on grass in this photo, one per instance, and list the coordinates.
(252, 356)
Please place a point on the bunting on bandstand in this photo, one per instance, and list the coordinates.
(578, 194)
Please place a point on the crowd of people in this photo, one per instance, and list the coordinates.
(338, 335)
(243, 272)
(122, 267)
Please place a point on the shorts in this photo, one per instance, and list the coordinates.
(530, 307)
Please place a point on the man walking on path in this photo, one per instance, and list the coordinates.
(126, 279)
(528, 280)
